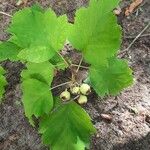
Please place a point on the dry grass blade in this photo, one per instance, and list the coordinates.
(5, 14)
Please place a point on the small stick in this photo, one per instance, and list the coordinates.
(63, 59)
(12, 6)
(64, 103)
(125, 50)
(62, 84)
(79, 64)
(84, 67)
(71, 100)
(3, 13)
(132, 37)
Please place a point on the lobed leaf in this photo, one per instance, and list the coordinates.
(68, 145)
(37, 97)
(39, 33)
(69, 127)
(58, 62)
(111, 79)
(9, 50)
(36, 54)
(96, 32)
(43, 72)
(3, 82)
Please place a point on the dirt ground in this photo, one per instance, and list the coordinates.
(130, 110)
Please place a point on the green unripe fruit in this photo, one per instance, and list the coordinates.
(65, 96)
(75, 90)
(82, 99)
(85, 89)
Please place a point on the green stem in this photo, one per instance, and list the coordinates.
(63, 59)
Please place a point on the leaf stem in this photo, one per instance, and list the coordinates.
(62, 84)
(79, 64)
(84, 67)
(71, 100)
(63, 59)
(64, 103)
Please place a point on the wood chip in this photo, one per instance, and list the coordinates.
(21, 2)
(106, 117)
(132, 7)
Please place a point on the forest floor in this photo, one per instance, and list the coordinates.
(129, 128)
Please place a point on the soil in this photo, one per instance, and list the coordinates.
(127, 124)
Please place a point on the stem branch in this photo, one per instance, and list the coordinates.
(62, 84)
(63, 59)
(79, 65)
(64, 103)
(3, 13)
(84, 67)
(125, 50)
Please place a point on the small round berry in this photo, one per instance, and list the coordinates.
(65, 96)
(75, 90)
(82, 99)
(85, 89)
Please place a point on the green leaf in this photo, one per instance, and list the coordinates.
(38, 31)
(37, 98)
(42, 54)
(43, 72)
(96, 32)
(37, 7)
(111, 79)
(58, 62)
(68, 145)
(66, 126)
(3, 82)
(9, 50)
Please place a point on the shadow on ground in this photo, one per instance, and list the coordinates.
(140, 144)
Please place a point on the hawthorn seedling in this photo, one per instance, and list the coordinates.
(37, 35)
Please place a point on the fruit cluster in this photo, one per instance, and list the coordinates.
(82, 91)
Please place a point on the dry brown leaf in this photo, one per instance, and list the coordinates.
(132, 7)
(106, 117)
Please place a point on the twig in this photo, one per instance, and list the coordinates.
(125, 50)
(62, 84)
(132, 37)
(79, 64)
(3, 13)
(64, 103)
(63, 59)
(84, 67)
(12, 6)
